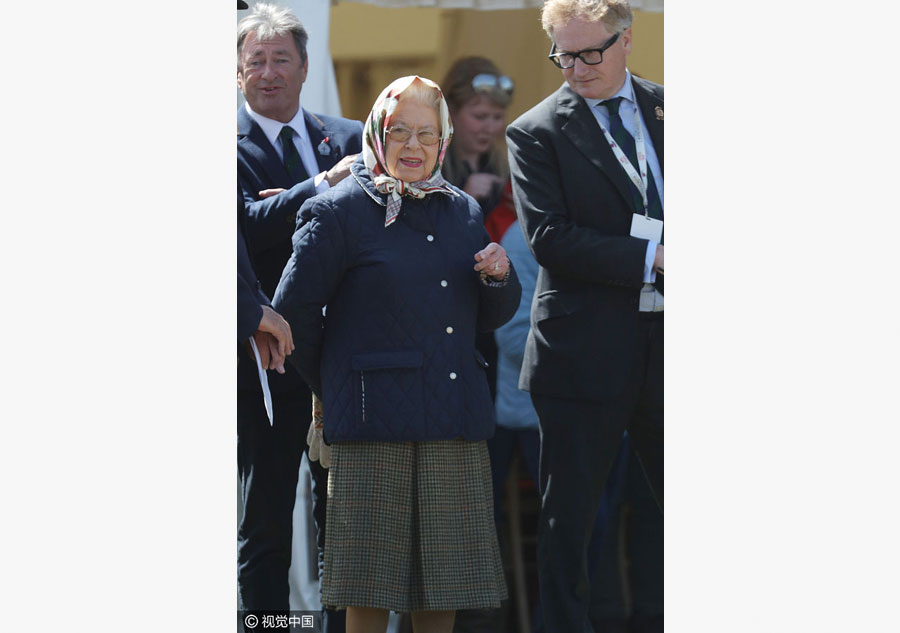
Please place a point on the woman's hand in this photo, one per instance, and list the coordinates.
(492, 261)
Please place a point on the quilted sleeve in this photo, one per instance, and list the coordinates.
(497, 302)
(309, 280)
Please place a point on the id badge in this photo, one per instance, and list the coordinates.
(646, 228)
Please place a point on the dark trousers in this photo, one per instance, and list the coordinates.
(629, 599)
(268, 463)
(501, 448)
(579, 442)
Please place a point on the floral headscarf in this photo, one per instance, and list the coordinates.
(377, 123)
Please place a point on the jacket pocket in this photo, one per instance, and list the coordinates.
(390, 389)
(553, 303)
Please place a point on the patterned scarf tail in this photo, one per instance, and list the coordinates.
(396, 189)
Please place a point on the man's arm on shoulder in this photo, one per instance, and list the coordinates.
(558, 243)
(272, 219)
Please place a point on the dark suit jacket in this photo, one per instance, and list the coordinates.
(270, 223)
(575, 207)
(250, 297)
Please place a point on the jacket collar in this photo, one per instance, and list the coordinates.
(361, 175)
(326, 151)
(580, 127)
(651, 107)
(252, 138)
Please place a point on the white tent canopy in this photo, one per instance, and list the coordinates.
(320, 90)
(489, 5)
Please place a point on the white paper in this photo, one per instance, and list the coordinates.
(646, 228)
(263, 380)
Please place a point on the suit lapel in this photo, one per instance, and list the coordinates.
(651, 107)
(581, 128)
(254, 141)
(318, 132)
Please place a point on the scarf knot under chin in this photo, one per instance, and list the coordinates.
(395, 190)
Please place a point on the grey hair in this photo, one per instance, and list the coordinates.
(269, 21)
(424, 94)
(615, 14)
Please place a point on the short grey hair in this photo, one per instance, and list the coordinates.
(615, 14)
(269, 21)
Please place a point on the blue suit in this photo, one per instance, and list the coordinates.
(250, 297)
(269, 457)
(271, 222)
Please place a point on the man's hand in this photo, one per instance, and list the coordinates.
(262, 347)
(276, 358)
(340, 171)
(658, 260)
(481, 186)
(268, 193)
(274, 324)
(270, 356)
(273, 339)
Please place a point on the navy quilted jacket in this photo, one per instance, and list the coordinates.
(394, 357)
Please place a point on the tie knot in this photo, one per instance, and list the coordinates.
(613, 105)
(286, 134)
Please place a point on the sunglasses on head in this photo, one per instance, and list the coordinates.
(486, 82)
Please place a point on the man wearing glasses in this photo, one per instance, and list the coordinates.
(587, 174)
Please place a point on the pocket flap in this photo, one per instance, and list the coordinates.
(387, 360)
(552, 303)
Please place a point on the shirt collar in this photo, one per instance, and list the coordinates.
(272, 128)
(626, 91)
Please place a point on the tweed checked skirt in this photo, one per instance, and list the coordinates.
(410, 527)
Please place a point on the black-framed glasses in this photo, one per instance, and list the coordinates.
(486, 82)
(401, 134)
(590, 56)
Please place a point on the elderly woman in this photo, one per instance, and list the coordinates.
(408, 274)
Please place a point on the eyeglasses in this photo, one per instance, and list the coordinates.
(590, 56)
(486, 82)
(402, 134)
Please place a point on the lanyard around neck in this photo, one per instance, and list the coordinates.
(639, 180)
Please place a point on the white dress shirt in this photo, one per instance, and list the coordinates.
(651, 300)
